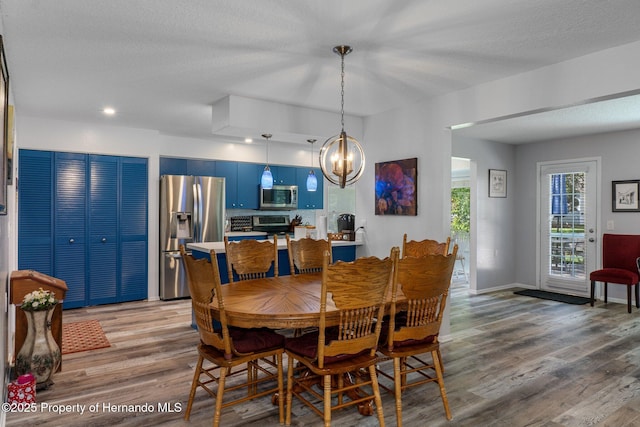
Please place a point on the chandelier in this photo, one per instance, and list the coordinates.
(341, 156)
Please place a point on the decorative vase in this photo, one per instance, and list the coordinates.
(40, 354)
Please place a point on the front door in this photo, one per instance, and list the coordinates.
(568, 219)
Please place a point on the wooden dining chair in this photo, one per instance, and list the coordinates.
(424, 247)
(306, 255)
(407, 335)
(250, 352)
(251, 258)
(358, 291)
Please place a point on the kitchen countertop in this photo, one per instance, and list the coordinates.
(218, 247)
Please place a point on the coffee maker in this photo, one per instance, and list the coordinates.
(346, 226)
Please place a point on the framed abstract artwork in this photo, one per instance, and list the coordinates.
(396, 187)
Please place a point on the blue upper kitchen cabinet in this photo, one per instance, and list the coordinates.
(309, 199)
(171, 166)
(241, 183)
(229, 170)
(197, 167)
(249, 175)
(283, 175)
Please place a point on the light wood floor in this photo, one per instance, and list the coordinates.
(512, 361)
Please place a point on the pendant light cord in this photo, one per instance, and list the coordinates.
(342, 93)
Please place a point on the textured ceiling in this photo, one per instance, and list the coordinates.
(163, 63)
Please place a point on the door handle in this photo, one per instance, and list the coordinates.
(103, 240)
(72, 240)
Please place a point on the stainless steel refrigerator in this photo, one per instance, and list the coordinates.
(192, 209)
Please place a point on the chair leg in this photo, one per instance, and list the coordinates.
(637, 286)
(326, 383)
(593, 291)
(376, 394)
(397, 389)
(443, 392)
(606, 289)
(280, 389)
(629, 299)
(194, 386)
(289, 390)
(218, 410)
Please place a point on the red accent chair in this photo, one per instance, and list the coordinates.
(619, 255)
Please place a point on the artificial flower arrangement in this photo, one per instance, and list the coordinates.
(38, 300)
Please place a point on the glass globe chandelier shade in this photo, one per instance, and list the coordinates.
(266, 180)
(341, 157)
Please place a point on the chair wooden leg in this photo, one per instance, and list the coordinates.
(397, 389)
(326, 380)
(194, 386)
(376, 394)
(629, 299)
(280, 389)
(218, 410)
(443, 392)
(593, 291)
(289, 390)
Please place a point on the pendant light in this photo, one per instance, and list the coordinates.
(266, 181)
(341, 152)
(312, 181)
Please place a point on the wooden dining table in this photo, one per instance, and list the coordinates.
(283, 302)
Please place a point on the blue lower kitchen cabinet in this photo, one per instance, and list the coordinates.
(83, 219)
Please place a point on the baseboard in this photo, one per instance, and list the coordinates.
(500, 288)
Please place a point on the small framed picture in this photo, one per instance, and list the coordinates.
(497, 183)
(625, 196)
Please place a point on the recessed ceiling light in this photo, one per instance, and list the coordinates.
(109, 111)
(248, 140)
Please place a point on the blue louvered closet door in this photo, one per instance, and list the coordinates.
(83, 218)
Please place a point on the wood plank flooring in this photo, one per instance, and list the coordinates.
(512, 361)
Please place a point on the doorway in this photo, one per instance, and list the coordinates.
(461, 217)
(568, 217)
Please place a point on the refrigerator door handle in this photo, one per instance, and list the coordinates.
(197, 212)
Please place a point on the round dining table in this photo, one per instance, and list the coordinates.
(282, 302)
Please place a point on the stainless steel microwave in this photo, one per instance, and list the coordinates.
(283, 197)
